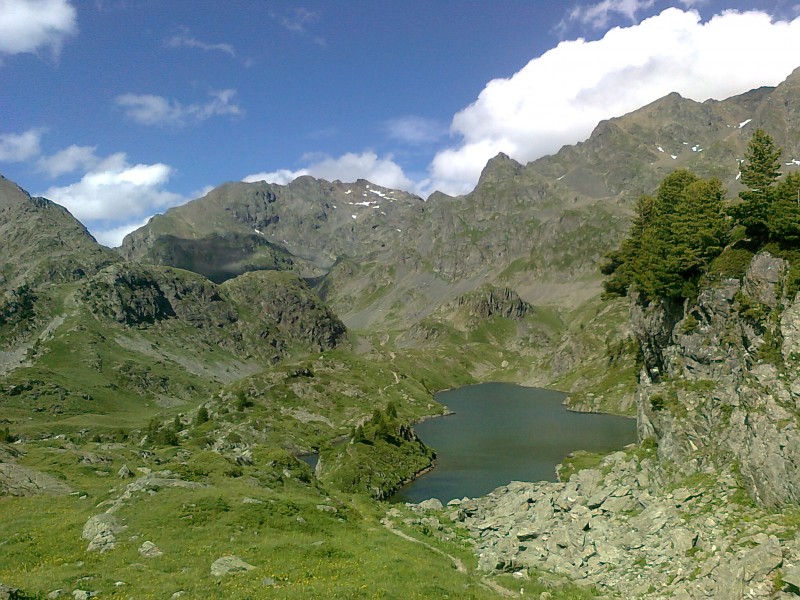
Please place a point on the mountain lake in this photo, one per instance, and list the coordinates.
(502, 432)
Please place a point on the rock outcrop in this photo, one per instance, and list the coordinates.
(491, 301)
(229, 565)
(16, 480)
(263, 313)
(719, 385)
(101, 531)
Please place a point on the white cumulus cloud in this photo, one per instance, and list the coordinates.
(73, 158)
(19, 147)
(149, 109)
(113, 236)
(112, 197)
(559, 97)
(281, 176)
(348, 167)
(29, 25)
(115, 191)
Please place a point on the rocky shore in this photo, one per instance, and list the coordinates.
(632, 531)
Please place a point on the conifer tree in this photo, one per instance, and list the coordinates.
(202, 416)
(358, 436)
(784, 215)
(759, 172)
(674, 236)
(391, 411)
(619, 265)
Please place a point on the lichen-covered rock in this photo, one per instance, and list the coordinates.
(764, 278)
(101, 531)
(229, 565)
(149, 550)
(16, 480)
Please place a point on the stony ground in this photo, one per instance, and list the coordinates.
(630, 530)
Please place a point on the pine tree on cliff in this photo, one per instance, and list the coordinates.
(673, 238)
(759, 172)
(784, 214)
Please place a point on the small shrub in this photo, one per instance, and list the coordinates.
(167, 437)
(770, 351)
(793, 280)
(733, 262)
(161, 436)
(241, 401)
(689, 325)
(202, 416)
(358, 436)
(750, 309)
(205, 509)
(657, 402)
(234, 471)
(6, 437)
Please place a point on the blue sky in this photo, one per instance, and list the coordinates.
(119, 109)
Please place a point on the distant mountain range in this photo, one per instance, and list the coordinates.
(539, 228)
(386, 262)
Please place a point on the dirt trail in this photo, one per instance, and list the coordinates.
(457, 562)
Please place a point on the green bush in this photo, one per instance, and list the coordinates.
(771, 350)
(733, 262)
(202, 416)
(6, 437)
(657, 402)
(689, 325)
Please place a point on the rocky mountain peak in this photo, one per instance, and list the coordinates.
(11, 193)
(43, 241)
(499, 168)
(793, 79)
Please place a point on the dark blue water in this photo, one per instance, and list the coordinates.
(502, 432)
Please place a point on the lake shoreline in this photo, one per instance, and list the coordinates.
(555, 427)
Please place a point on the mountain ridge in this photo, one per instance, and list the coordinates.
(515, 215)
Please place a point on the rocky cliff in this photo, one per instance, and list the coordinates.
(719, 383)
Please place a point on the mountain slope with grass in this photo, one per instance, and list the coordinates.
(389, 262)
